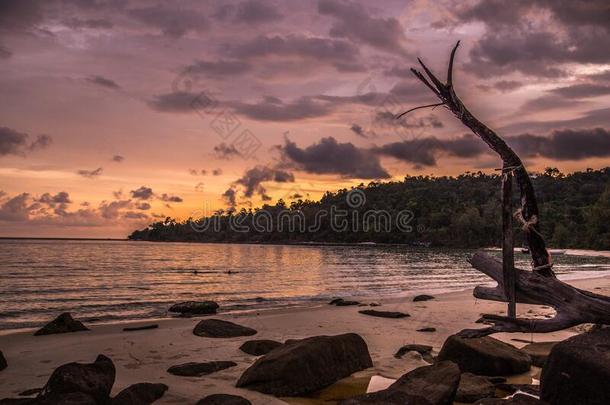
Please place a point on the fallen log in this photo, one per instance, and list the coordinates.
(539, 286)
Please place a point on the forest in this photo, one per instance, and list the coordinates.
(462, 211)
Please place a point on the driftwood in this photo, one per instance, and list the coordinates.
(539, 286)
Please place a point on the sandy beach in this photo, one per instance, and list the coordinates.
(144, 356)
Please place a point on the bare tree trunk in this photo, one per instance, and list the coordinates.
(541, 286)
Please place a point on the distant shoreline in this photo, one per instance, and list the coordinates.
(56, 238)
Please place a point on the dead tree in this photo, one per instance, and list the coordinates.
(539, 286)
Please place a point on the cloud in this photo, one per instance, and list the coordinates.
(142, 193)
(173, 21)
(547, 102)
(331, 157)
(118, 158)
(218, 68)
(230, 196)
(90, 173)
(179, 101)
(251, 12)
(143, 206)
(273, 109)
(504, 86)
(582, 90)
(567, 144)
(170, 198)
(5, 53)
(20, 15)
(253, 178)
(92, 23)
(361, 132)
(216, 172)
(103, 82)
(16, 143)
(16, 208)
(224, 151)
(354, 22)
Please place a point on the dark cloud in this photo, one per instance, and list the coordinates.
(218, 68)
(20, 15)
(565, 144)
(142, 193)
(354, 22)
(170, 198)
(5, 53)
(224, 151)
(143, 206)
(253, 178)
(361, 132)
(173, 21)
(547, 103)
(103, 82)
(60, 198)
(256, 12)
(16, 208)
(603, 76)
(273, 109)
(179, 101)
(503, 86)
(216, 172)
(397, 71)
(338, 53)
(583, 90)
(230, 196)
(590, 119)
(424, 151)
(388, 119)
(331, 157)
(90, 173)
(118, 158)
(16, 143)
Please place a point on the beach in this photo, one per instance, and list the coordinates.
(144, 356)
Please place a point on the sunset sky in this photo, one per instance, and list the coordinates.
(116, 113)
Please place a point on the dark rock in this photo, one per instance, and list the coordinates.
(423, 297)
(195, 307)
(384, 314)
(510, 389)
(424, 350)
(259, 347)
(140, 394)
(436, 384)
(216, 328)
(497, 380)
(374, 304)
(30, 392)
(386, 397)
(519, 399)
(94, 379)
(578, 370)
(539, 351)
(64, 323)
(304, 366)
(473, 387)
(484, 356)
(198, 369)
(340, 302)
(3, 363)
(223, 399)
(427, 329)
(144, 327)
(72, 398)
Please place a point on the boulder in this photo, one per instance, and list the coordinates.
(259, 347)
(304, 366)
(510, 389)
(140, 394)
(473, 387)
(72, 398)
(578, 370)
(223, 399)
(436, 385)
(424, 350)
(3, 363)
(64, 323)
(422, 297)
(216, 328)
(193, 369)
(195, 308)
(384, 314)
(427, 329)
(94, 379)
(484, 356)
(539, 351)
(340, 302)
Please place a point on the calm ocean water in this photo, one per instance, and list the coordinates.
(112, 280)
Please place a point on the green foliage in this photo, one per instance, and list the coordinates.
(462, 211)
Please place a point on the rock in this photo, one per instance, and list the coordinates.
(374, 304)
(510, 389)
(223, 399)
(64, 323)
(259, 347)
(3, 363)
(304, 366)
(340, 302)
(216, 328)
(140, 394)
(198, 369)
(93, 379)
(143, 327)
(195, 308)
(384, 314)
(424, 350)
(30, 392)
(484, 356)
(578, 370)
(436, 384)
(473, 387)
(422, 297)
(519, 399)
(427, 329)
(72, 398)
(539, 351)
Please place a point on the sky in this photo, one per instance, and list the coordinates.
(118, 113)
